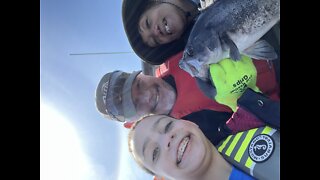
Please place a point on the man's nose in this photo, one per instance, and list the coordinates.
(144, 97)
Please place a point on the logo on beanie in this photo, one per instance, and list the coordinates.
(104, 90)
(261, 148)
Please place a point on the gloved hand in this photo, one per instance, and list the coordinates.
(231, 78)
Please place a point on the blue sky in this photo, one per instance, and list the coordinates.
(76, 142)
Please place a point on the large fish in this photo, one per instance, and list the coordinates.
(227, 29)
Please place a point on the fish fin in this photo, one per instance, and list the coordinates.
(261, 50)
(234, 51)
(207, 87)
(192, 66)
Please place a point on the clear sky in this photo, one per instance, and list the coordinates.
(76, 142)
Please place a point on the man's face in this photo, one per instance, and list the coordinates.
(152, 95)
(161, 24)
(171, 148)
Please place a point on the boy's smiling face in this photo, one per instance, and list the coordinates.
(161, 24)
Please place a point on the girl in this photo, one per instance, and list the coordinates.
(177, 149)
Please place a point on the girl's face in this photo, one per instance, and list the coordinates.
(161, 24)
(171, 148)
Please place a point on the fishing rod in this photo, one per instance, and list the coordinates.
(100, 53)
(146, 68)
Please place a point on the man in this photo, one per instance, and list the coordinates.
(127, 97)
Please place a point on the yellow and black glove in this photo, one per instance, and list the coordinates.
(231, 78)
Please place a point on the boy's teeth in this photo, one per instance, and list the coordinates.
(157, 98)
(182, 148)
(167, 29)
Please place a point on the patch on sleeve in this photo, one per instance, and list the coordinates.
(261, 148)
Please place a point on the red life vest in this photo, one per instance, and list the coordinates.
(189, 97)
